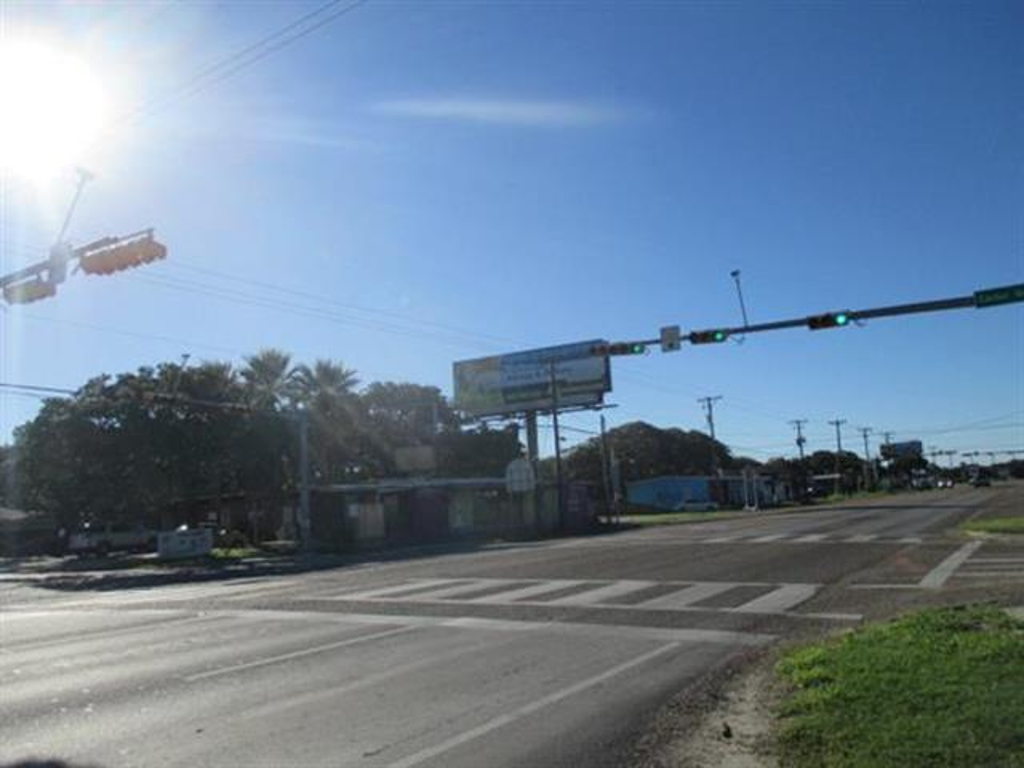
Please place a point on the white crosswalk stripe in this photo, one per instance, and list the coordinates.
(675, 596)
(995, 567)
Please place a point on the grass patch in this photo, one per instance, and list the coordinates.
(940, 688)
(234, 553)
(995, 525)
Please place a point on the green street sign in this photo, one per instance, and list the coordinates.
(993, 297)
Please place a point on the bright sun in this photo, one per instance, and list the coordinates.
(51, 109)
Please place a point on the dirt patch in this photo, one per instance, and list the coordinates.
(738, 732)
(725, 721)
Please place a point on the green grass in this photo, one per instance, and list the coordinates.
(995, 525)
(234, 553)
(941, 688)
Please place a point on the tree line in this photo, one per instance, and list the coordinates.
(125, 447)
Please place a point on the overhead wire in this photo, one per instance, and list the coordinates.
(302, 293)
(247, 56)
(304, 310)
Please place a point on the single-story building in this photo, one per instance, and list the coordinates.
(680, 492)
(406, 511)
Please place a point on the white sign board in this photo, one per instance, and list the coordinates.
(519, 476)
(192, 543)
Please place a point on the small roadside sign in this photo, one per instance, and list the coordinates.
(670, 338)
(993, 297)
(519, 476)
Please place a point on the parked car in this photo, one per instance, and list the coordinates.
(981, 481)
(944, 482)
(101, 539)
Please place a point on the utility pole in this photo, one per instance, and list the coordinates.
(800, 439)
(558, 446)
(709, 410)
(864, 432)
(304, 518)
(838, 423)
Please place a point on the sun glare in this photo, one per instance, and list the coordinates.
(51, 109)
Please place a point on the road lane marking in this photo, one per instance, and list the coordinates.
(767, 539)
(412, 584)
(297, 654)
(862, 538)
(528, 709)
(521, 593)
(464, 587)
(940, 574)
(600, 594)
(597, 595)
(720, 540)
(1018, 560)
(689, 596)
(911, 540)
(992, 575)
(810, 538)
(779, 600)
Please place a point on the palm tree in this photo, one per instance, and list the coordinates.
(327, 390)
(270, 379)
(326, 380)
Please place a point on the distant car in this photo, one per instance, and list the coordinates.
(102, 539)
(981, 482)
(944, 482)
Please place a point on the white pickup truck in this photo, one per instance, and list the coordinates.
(100, 539)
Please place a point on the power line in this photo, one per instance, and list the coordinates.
(301, 293)
(302, 310)
(246, 57)
(123, 332)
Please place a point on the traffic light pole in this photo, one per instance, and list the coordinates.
(981, 299)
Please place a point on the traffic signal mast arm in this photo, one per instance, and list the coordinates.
(989, 297)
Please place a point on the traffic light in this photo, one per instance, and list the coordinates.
(114, 258)
(621, 348)
(828, 320)
(708, 337)
(29, 291)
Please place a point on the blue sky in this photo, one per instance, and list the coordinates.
(462, 179)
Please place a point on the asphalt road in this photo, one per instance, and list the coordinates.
(542, 654)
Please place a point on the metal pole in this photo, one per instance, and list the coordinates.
(304, 519)
(83, 178)
(709, 407)
(604, 469)
(558, 447)
(837, 423)
(531, 437)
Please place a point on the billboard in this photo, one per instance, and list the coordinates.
(505, 384)
(899, 450)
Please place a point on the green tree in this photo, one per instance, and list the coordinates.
(270, 379)
(645, 451)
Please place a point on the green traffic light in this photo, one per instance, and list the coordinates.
(842, 318)
(720, 335)
(638, 349)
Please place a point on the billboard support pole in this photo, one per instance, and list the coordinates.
(531, 437)
(558, 446)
